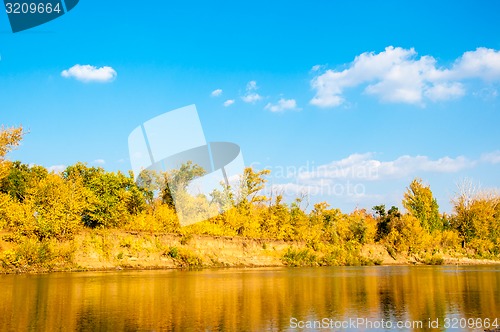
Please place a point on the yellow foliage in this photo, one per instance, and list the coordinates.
(4, 168)
(482, 247)
(159, 218)
(409, 236)
(55, 208)
(9, 139)
(14, 215)
(5, 202)
(450, 239)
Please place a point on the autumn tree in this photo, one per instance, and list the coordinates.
(112, 197)
(20, 177)
(10, 138)
(463, 219)
(176, 181)
(420, 203)
(276, 223)
(150, 182)
(251, 184)
(477, 217)
(385, 220)
(57, 207)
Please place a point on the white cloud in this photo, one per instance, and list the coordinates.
(228, 102)
(492, 157)
(445, 91)
(365, 167)
(251, 96)
(397, 75)
(282, 105)
(252, 86)
(88, 73)
(56, 168)
(99, 161)
(216, 93)
(483, 63)
(316, 67)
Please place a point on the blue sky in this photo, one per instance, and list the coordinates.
(348, 101)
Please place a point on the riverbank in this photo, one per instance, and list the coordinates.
(115, 250)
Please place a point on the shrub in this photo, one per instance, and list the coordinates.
(433, 259)
(299, 257)
(184, 258)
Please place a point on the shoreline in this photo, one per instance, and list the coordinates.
(117, 250)
(477, 262)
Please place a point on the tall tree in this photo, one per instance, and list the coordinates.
(251, 184)
(420, 203)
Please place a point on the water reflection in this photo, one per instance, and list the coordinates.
(243, 300)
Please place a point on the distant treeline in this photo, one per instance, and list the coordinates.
(38, 205)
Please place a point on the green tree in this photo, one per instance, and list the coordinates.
(420, 203)
(112, 197)
(150, 183)
(385, 220)
(20, 178)
(175, 182)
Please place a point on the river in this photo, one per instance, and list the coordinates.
(379, 298)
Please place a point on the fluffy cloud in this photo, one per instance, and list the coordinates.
(228, 102)
(397, 75)
(216, 93)
(251, 96)
(365, 167)
(351, 177)
(88, 73)
(445, 91)
(483, 63)
(282, 105)
(99, 161)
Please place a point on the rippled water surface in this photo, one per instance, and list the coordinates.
(273, 299)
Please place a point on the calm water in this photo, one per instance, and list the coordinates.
(273, 299)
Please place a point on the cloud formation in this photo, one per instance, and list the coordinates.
(216, 93)
(398, 75)
(88, 73)
(282, 105)
(228, 102)
(251, 96)
(349, 176)
(365, 167)
(491, 157)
